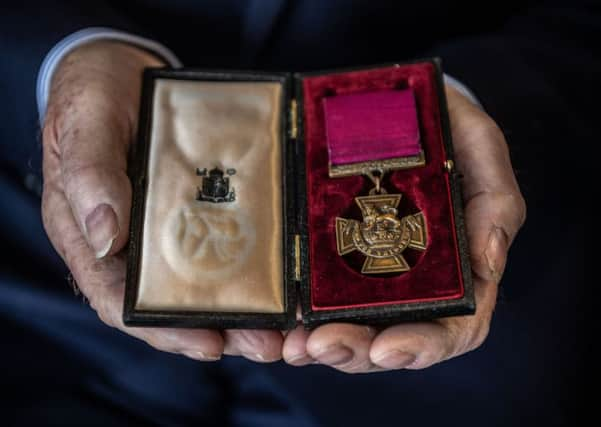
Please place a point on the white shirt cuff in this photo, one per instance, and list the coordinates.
(463, 89)
(89, 35)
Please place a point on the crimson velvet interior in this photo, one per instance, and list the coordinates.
(336, 282)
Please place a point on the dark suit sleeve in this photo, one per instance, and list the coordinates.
(28, 30)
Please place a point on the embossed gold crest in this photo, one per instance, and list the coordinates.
(382, 236)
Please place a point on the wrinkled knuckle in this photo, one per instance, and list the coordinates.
(80, 104)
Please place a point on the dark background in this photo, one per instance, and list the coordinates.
(535, 66)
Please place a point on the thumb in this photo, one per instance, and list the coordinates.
(90, 122)
(494, 207)
(92, 141)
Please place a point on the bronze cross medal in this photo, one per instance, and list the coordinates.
(382, 236)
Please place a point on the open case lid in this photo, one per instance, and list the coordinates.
(298, 277)
(134, 316)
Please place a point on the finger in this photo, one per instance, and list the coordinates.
(92, 142)
(483, 158)
(107, 300)
(103, 283)
(294, 350)
(254, 344)
(420, 345)
(342, 346)
(91, 119)
(494, 207)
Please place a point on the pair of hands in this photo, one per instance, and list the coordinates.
(92, 120)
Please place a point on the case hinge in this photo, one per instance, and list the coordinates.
(297, 260)
(293, 119)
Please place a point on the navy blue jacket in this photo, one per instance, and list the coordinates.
(534, 65)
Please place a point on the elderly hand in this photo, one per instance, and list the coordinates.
(91, 121)
(494, 212)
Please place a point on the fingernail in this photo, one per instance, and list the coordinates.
(202, 357)
(394, 359)
(102, 228)
(255, 357)
(300, 359)
(495, 253)
(335, 355)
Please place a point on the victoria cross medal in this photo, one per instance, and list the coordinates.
(382, 236)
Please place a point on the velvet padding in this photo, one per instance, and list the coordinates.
(336, 282)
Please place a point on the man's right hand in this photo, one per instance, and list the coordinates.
(91, 122)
